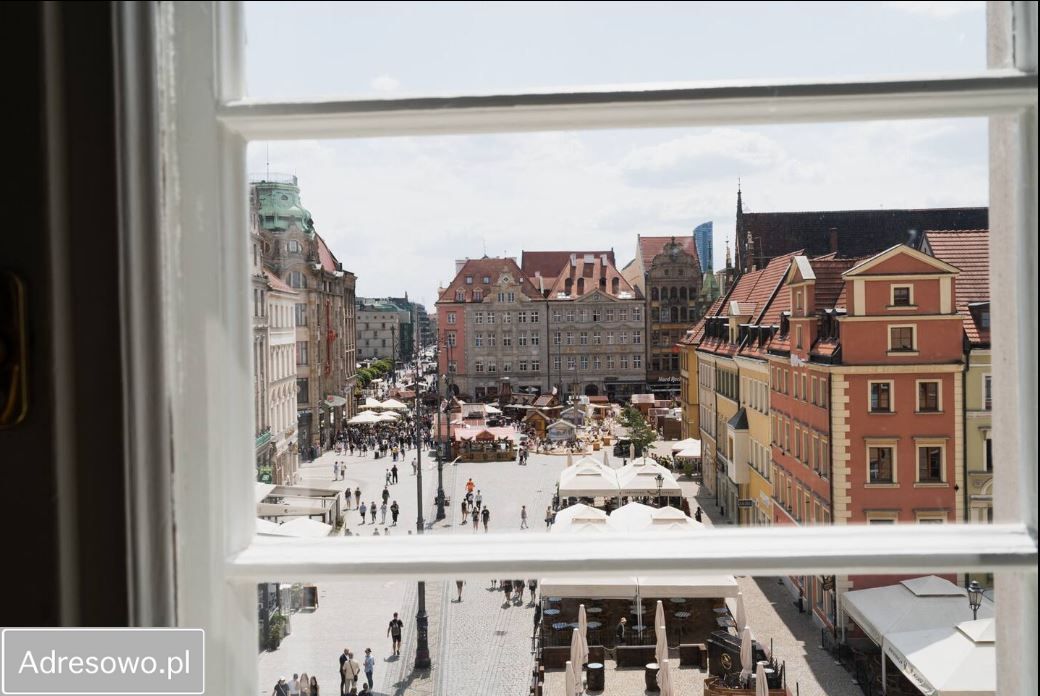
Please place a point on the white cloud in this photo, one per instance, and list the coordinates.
(385, 83)
(936, 10)
(718, 153)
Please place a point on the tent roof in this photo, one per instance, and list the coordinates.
(639, 477)
(395, 405)
(691, 452)
(267, 527)
(921, 603)
(263, 490)
(363, 418)
(636, 517)
(685, 444)
(304, 527)
(589, 478)
(647, 586)
(956, 660)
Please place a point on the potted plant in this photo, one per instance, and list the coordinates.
(275, 631)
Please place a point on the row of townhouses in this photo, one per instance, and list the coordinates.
(844, 377)
(304, 326)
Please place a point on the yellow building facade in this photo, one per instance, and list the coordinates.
(754, 399)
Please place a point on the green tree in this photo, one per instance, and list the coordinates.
(639, 431)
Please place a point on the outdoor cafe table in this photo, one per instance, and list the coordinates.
(726, 622)
(551, 612)
(593, 610)
(593, 625)
(560, 626)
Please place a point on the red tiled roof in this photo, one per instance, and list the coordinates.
(968, 250)
(765, 294)
(649, 247)
(551, 263)
(591, 272)
(491, 268)
(328, 261)
(830, 286)
(275, 282)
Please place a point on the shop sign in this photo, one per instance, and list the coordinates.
(745, 503)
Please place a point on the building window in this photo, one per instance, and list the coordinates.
(469, 280)
(491, 340)
(536, 365)
(584, 362)
(491, 367)
(930, 464)
(881, 397)
(521, 338)
(521, 317)
(478, 317)
(988, 454)
(798, 334)
(928, 397)
(880, 465)
(491, 317)
(535, 338)
(301, 315)
(510, 297)
(569, 314)
(296, 280)
(596, 362)
(624, 362)
(571, 362)
(301, 352)
(902, 295)
(523, 366)
(987, 392)
(534, 316)
(901, 338)
(610, 362)
(637, 314)
(478, 340)
(302, 391)
(451, 317)
(637, 361)
(507, 339)
(451, 339)
(486, 280)
(460, 295)
(478, 366)
(557, 316)
(637, 337)
(583, 338)
(570, 338)
(507, 366)
(478, 295)
(556, 363)
(507, 317)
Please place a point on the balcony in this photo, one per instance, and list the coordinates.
(263, 438)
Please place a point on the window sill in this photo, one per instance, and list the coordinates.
(907, 353)
(881, 485)
(882, 413)
(936, 484)
(899, 308)
(929, 413)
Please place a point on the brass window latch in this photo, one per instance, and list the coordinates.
(14, 380)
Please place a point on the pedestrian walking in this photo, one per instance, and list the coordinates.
(470, 486)
(485, 515)
(523, 517)
(314, 686)
(395, 510)
(619, 632)
(532, 585)
(370, 666)
(548, 517)
(357, 496)
(697, 515)
(479, 499)
(463, 505)
(415, 468)
(476, 519)
(507, 588)
(294, 685)
(281, 688)
(518, 587)
(386, 494)
(335, 471)
(393, 473)
(362, 509)
(372, 511)
(494, 583)
(382, 513)
(458, 585)
(394, 631)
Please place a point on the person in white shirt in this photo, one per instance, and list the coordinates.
(294, 685)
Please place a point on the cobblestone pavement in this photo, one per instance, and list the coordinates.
(482, 645)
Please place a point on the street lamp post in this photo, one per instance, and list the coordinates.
(659, 480)
(422, 621)
(975, 598)
(442, 454)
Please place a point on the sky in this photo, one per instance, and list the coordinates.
(399, 211)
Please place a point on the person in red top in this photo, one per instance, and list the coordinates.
(470, 486)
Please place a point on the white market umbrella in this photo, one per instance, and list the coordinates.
(394, 405)
(761, 685)
(583, 632)
(366, 418)
(745, 654)
(664, 678)
(568, 680)
(661, 647)
(577, 656)
(683, 444)
(388, 417)
(371, 403)
(606, 457)
(741, 616)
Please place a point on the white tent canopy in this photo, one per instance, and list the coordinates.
(636, 517)
(394, 405)
(917, 604)
(685, 444)
(371, 403)
(639, 477)
(304, 527)
(366, 418)
(956, 660)
(589, 478)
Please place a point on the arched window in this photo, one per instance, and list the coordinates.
(675, 314)
(682, 293)
(615, 285)
(568, 285)
(460, 295)
(653, 294)
(581, 286)
(478, 295)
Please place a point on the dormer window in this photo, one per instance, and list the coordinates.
(469, 280)
(460, 295)
(478, 295)
(486, 280)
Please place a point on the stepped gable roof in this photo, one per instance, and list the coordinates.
(859, 232)
(491, 267)
(551, 263)
(649, 247)
(591, 270)
(968, 250)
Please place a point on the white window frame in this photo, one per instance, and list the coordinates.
(892, 296)
(206, 123)
(917, 396)
(914, 346)
(891, 396)
(888, 443)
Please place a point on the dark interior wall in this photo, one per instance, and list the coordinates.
(86, 275)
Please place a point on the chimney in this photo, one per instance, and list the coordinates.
(574, 260)
(834, 240)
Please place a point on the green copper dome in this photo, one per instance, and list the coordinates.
(278, 205)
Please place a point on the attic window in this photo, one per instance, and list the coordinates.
(469, 280)
(486, 280)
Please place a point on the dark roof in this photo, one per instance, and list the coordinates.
(591, 270)
(739, 420)
(859, 232)
(551, 263)
(830, 286)
(968, 250)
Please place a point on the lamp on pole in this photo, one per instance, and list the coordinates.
(975, 598)
(422, 621)
(442, 385)
(659, 480)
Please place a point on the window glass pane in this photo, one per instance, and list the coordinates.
(390, 49)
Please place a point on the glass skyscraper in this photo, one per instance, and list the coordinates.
(702, 237)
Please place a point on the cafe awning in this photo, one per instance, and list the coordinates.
(917, 604)
(956, 660)
(590, 479)
(640, 478)
(685, 444)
